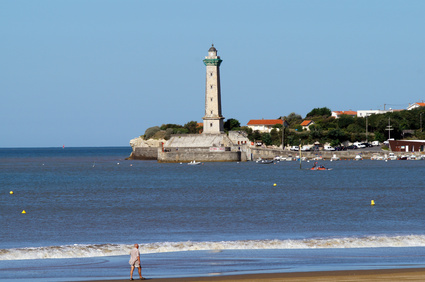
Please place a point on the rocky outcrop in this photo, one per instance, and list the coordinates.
(140, 142)
(145, 149)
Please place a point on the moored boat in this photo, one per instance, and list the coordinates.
(261, 161)
(334, 158)
(358, 158)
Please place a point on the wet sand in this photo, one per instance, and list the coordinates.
(409, 274)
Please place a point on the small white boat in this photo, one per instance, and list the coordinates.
(265, 161)
(334, 158)
(358, 158)
(377, 157)
(392, 157)
(194, 163)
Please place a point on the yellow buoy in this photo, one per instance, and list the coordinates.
(24, 211)
(372, 203)
(274, 184)
(11, 192)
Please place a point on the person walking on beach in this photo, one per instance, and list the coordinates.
(135, 262)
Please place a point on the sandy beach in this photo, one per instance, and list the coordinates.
(410, 274)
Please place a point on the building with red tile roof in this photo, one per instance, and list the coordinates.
(306, 123)
(415, 105)
(337, 114)
(263, 125)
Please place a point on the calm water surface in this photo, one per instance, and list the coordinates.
(86, 206)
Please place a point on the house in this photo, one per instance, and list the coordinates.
(367, 113)
(263, 125)
(415, 105)
(305, 124)
(337, 114)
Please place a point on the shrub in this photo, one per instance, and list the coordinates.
(150, 132)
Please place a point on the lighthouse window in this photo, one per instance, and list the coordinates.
(211, 74)
(211, 112)
(211, 99)
(210, 124)
(211, 86)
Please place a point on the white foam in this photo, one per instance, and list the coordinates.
(100, 250)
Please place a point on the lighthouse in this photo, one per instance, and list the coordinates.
(213, 119)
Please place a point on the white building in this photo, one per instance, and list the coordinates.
(263, 125)
(366, 113)
(415, 105)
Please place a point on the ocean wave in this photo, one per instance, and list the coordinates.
(101, 250)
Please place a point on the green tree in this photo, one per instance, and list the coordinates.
(337, 134)
(151, 132)
(276, 136)
(326, 112)
(266, 138)
(232, 124)
(344, 121)
(192, 127)
(168, 133)
(293, 120)
(170, 125)
(256, 135)
(315, 132)
(355, 128)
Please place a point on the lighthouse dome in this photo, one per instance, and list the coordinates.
(212, 49)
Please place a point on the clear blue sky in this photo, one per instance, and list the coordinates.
(99, 73)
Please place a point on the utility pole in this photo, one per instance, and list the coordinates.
(420, 119)
(389, 128)
(366, 129)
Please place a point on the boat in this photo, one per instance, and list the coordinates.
(194, 163)
(334, 158)
(358, 158)
(279, 158)
(402, 158)
(392, 157)
(377, 157)
(261, 161)
(320, 167)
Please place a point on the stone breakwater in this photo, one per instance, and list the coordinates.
(243, 153)
(266, 153)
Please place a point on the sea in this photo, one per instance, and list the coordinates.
(73, 214)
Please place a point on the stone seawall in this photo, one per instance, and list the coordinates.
(144, 153)
(248, 153)
(351, 154)
(197, 154)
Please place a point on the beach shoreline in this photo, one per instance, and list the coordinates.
(400, 274)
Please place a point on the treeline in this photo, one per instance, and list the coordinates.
(326, 129)
(166, 130)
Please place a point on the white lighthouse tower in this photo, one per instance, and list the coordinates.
(213, 120)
